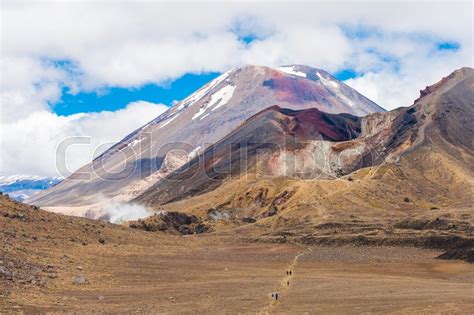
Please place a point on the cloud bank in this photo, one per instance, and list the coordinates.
(396, 48)
(29, 143)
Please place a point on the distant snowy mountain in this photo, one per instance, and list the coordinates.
(21, 187)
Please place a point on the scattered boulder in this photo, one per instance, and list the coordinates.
(42, 283)
(5, 273)
(249, 220)
(184, 230)
(79, 280)
(201, 228)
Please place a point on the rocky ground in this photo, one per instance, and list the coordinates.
(55, 263)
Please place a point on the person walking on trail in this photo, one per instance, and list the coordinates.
(290, 272)
(288, 283)
(276, 296)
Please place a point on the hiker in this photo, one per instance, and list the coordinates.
(290, 272)
(276, 296)
(288, 283)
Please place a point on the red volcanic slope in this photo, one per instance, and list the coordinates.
(271, 130)
(313, 124)
(293, 90)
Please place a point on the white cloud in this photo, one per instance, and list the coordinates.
(27, 84)
(413, 65)
(28, 144)
(129, 44)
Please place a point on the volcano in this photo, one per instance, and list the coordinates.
(169, 141)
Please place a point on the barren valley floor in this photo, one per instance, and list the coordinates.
(208, 275)
(52, 263)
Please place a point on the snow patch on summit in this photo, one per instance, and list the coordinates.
(168, 120)
(218, 99)
(222, 97)
(335, 87)
(135, 142)
(291, 70)
(327, 82)
(196, 96)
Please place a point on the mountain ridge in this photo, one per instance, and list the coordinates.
(21, 187)
(385, 141)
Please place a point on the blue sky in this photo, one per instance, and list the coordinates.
(115, 98)
(450, 46)
(112, 99)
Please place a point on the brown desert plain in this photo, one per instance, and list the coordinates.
(126, 270)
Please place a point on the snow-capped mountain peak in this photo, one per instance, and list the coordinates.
(291, 70)
(203, 118)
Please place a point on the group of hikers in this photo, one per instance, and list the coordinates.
(275, 294)
(288, 273)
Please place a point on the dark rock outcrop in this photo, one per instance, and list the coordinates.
(173, 222)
